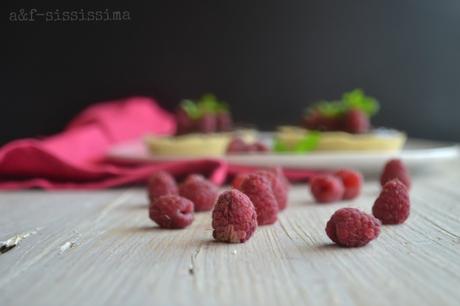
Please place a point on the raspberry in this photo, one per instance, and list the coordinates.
(316, 121)
(326, 188)
(161, 183)
(395, 168)
(258, 147)
(171, 211)
(279, 187)
(200, 191)
(356, 122)
(237, 145)
(207, 123)
(392, 205)
(238, 180)
(234, 217)
(258, 188)
(352, 181)
(350, 227)
(311, 121)
(184, 123)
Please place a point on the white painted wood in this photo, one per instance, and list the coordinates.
(100, 248)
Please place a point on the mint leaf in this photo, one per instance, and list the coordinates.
(190, 107)
(353, 99)
(278, 146)
(330, 108)
(308, 143)
(357, 99)
(208, 103)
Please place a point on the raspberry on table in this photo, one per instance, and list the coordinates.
(161, 183)
(395, 168)
(258, 188)
(234, 217)
(200, 191)
(352, 181)
(171, 211)
(279, 188)
(326, 188)
(356, 121)
(393, 204)
(350, 227)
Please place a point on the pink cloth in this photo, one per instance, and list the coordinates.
(75, 158)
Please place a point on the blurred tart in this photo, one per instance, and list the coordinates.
(204, 128)
(339, 125)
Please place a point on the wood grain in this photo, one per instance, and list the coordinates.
(100, 248)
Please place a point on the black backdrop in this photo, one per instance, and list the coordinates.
(268, 59)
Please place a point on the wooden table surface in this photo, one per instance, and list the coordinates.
(100, 248)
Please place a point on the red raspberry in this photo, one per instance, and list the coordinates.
(316, 121)
(279, 187)
(200, 191)
(352, 181)
(395, 168)
(237, 145)
(238, 180)
(392, 205)
(185, 124)
(356, 121)
(326, 188)
(171, 211)
(161, 183)
(258, 147)
(207, 123)
(258, 188)
(234, 217)
(350, 227)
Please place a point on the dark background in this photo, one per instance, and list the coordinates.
(268, 59)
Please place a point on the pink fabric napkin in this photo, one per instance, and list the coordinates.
(75, 158)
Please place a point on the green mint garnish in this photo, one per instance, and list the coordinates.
(330, 109)
(355, 99)
(190, 107)
(308, 143)
(278, 146)
(208, 103)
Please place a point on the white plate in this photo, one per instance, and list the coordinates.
(416, 153)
